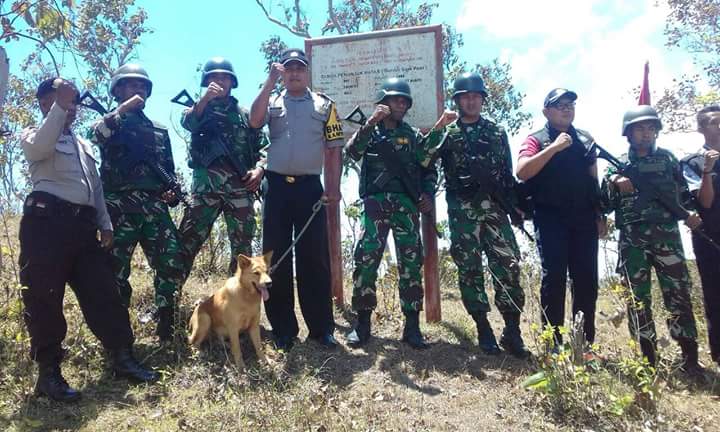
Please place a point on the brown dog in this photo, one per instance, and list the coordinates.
(235, 308)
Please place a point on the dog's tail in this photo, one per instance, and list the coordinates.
(199, 326)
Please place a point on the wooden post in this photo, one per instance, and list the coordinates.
(334, 247)
(430, 268)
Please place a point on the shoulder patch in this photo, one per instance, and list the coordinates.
(333, 127)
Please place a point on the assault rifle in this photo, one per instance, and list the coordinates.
(480, 177)
(137, 155)
(647, 189)
(183, 98)
(393, 164)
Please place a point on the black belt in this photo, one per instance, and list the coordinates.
(45, 204)
(291, 179)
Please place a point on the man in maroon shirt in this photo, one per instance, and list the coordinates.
(561, 176)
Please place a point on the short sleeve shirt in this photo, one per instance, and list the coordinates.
(301, 128)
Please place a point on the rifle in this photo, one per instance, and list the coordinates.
(392, 163)
(87, 100)
(480, 176)
(138, 155)
(183, 98)
(648, 189)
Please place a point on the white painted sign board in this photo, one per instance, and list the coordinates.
(351, 68)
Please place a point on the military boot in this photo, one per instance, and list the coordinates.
(649, 350)
(690, 364)
(486, 338)
(125, 365)
(52, 384)
(360, 335)
(165, 323)
(411, 332)
(511, 340)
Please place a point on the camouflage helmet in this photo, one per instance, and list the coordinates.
(218, 65)
(468, 82)
(394, 87)
(638, 114)
(130, 70)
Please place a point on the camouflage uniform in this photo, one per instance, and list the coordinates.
(388, 206)
(132, 192)
(216, 185)
(649, 236)
(477, 221)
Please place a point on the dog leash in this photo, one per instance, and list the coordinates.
(315, 208)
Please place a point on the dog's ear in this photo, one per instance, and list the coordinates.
(268, 258)
(243, 261)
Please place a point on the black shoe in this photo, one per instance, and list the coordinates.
(165, 323)
(52, 384)
(690, 364)
(362, 331)
(284, 343)
(511, 340)
(486, 337)
(649, 351)
(124, 365)
(327, 340)
(411, 333)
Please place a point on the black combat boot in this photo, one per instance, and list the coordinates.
(124, 365)
(165, 323)
(649, 350)
(486, 338)
(360, 335)
(411, 332)
(690, 363)
(511, 341)
(52, 384)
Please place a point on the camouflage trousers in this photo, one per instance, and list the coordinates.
(383, 212)
(159, 239)
(643, 246)
(199, 218)
(483, 227)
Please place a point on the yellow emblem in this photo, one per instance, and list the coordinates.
(333, 128)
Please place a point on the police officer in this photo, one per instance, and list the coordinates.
(135, 152)
(480, 192)
(58, 245)
(649, 236)
(305, 133)
(227, 165)
(394, 189)
(703, 176)
(561, 177)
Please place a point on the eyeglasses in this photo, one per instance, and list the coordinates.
(568, 106)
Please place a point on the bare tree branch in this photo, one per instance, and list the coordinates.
(333, 18)
(42, 44)
(296, 32)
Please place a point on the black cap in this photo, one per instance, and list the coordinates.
(45, 88)
(556, 94)
(293, 54)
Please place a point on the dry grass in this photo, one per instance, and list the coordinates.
(385, 387)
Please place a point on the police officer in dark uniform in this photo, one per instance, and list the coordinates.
(305, 134)
(58, 245)
(562, 178)
(703, 177)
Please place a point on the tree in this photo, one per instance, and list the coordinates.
(85, 40)
(693, 25)
(353, 16)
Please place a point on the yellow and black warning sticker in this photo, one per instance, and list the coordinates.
(333, 127)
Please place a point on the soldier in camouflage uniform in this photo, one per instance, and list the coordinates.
(227, 165)
(480, 191)
(390, 205)
(649, 236)
(134, 151)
